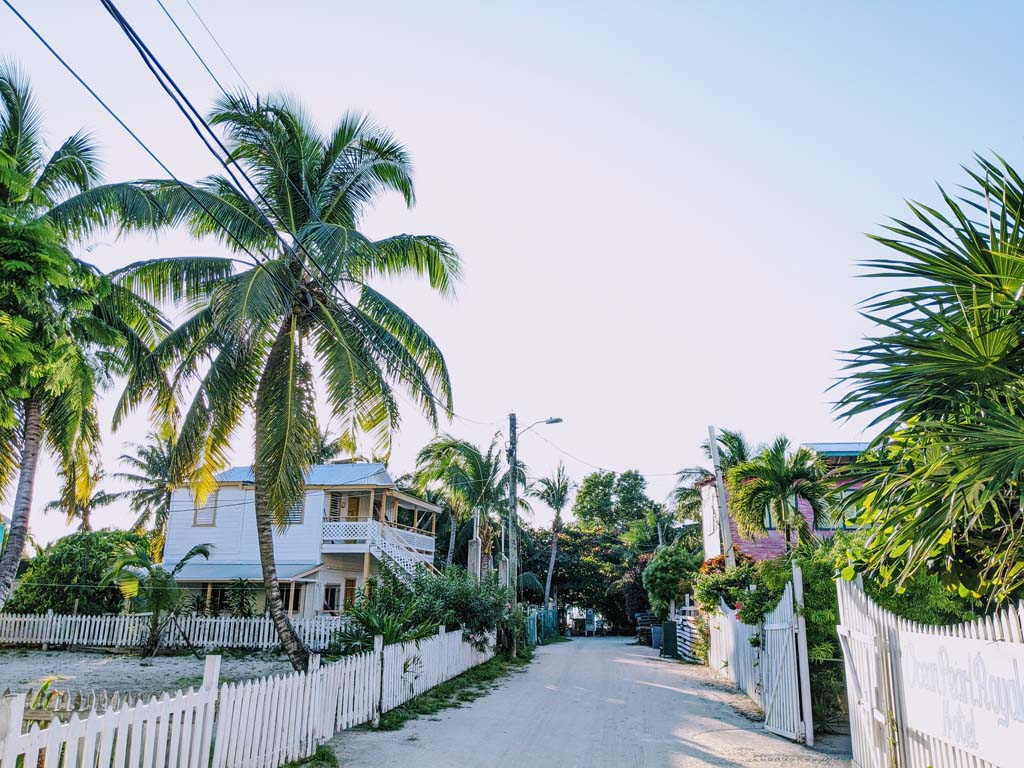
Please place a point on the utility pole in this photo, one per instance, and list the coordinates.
(513, 548)
(723, 513)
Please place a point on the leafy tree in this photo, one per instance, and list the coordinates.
(668, 575)
(772, 484)
(154, 473)
(943, 376)
(241, 598)
(137, 576)
(612, 501)
(309, 306)
(553, 491)
(64, 576)
(69, 327)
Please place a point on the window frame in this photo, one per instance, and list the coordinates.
(214, 498)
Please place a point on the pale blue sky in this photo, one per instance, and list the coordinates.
(660, 206)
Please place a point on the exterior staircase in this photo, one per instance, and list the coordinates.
(389, 546)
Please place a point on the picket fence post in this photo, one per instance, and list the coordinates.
(12, 713)
(803, 668)
(211, 677)
(378, 688)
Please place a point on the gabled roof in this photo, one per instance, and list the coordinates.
(323, 474)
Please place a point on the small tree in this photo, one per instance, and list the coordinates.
(137, 576)
(553, 491)
(769, 487)
(241, 598)
(668, 575)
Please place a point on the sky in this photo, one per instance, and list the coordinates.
(660, 207)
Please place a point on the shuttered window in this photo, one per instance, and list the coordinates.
(206, 515)
(293, 515)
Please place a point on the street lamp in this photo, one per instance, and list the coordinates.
(513, 528)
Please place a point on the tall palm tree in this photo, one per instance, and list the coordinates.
(154, 474)
(262, 335)
(553, 491)
(472, 480)
(733, 448)
(769, 487)
(71, 328)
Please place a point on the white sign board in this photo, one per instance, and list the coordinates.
(968, 693)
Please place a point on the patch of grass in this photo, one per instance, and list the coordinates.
(557, 639)
(324, 757)
(467, 687)
(184, 683)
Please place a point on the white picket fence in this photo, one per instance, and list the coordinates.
(883, 715)
(128, 630)
(773, 669)
(257, 723)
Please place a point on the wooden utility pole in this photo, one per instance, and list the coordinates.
(723, 512)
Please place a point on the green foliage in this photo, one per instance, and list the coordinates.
(943, 375)
(450, 599)
(69, 570)
(241, 598)
(668, 576)
(731, 586)
(772, 483)
(612, 501)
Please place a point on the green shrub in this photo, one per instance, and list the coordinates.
(69, 570)
(668, 575)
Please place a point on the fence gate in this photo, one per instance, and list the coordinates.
(774, 673)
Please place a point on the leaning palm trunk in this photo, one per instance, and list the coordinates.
(451, 538)
(30, 445)
(555, 528)
(298, 655)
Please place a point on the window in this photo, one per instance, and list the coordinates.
(332, 598)
(293, 514)
(285, 590)
(769, 521)
(206, 515)
(350, 593)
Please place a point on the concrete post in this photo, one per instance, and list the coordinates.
(503, 571)
(473, 561)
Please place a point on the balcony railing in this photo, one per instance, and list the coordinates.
(359, 531)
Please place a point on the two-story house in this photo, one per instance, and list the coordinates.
(835, 455)
(352, 518)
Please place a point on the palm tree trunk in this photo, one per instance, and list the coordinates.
(297, 652)
(31, 442)
(451, 537)
(555, 527)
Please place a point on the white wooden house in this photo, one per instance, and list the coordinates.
(353, 518)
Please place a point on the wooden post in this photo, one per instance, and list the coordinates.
(415, 518)
(378, 657)
(211, 676)
(433, 523)
(291, 598)
(366, 554)
(801, 653)
(12, 713)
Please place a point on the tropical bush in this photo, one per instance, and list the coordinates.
(67, 573)
(668, 576)
(241, 598)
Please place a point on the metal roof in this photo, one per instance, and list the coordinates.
(323, 474)
(838, 449)
(206, 571)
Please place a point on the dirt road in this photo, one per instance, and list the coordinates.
(592, 702)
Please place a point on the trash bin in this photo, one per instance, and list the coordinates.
(669, 640)
(655, 636)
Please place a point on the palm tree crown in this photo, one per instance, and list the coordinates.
(769, 486)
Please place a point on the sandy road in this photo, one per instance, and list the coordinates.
(591, 702)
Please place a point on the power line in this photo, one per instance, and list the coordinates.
(217, 43)
(596, 466)
(194, 116)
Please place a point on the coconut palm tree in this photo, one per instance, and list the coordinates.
(69, 328)
(472, 480)
(553, 491)
(155, 474)
(81, 497)
(262, 335)
(769, 487)
(138, 576)
(733, 448)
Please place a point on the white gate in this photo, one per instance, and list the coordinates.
(772, 670)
